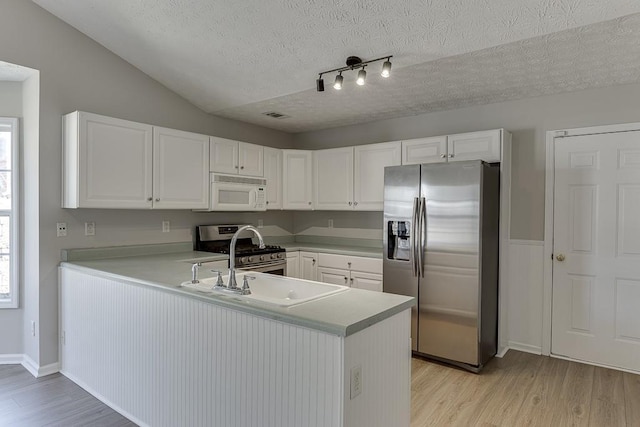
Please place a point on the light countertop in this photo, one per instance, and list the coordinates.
(341, 314)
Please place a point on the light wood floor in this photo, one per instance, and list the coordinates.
(524, 390)
(53, 400)
(518, 390)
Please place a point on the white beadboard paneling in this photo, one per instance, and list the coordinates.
(384, 353)
(525, 295)
(166, 360)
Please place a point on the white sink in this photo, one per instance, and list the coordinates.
(271, 289)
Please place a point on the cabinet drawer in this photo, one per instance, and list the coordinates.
(372, 265)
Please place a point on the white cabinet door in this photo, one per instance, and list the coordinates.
(224, 155)
(293, 264)
(273, 175)
(370, 161)
(333, 275)
(333, 184)
(368, 281)
(485, 145)
(107, 162)
(297, 179)
(308, 265)
(251, 159)
(180, 169)
(424, 150)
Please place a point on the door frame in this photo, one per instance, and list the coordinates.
(549, 210)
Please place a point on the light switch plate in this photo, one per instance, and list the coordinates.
(356, 381)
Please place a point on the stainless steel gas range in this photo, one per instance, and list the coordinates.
(249, 256)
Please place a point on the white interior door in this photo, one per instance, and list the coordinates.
(596, 272)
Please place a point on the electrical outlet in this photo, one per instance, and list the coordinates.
(166, 226)
(89, 228)
(61, 229)
(260, 223)
(356, 381)
(33, 328)
(330, 223)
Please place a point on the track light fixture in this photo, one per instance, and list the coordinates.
(337, 85)
(354, 63)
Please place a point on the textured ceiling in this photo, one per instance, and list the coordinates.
(241, 58)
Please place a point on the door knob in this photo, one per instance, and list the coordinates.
(560, 257)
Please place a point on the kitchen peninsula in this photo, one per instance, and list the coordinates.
(162, 354)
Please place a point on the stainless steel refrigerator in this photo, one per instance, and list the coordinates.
(441, 237)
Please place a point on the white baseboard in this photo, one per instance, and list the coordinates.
(49, 369)
(527, 348)
(29, 364)
(102, 399)
(11, 359)
(502, 352)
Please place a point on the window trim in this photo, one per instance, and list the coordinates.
(14, 240)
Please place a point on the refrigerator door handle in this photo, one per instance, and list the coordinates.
(413, 236)
(423, 234)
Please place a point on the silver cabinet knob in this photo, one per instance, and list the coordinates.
(350, 203)
(452, 155)
(345, 280)
(241, 167)
(443, 156)
(349, 264)
(236, 166)
(157, 200)
(313, 261)
(309, 202)
(149, 199)
(355, 203)
(560, 257)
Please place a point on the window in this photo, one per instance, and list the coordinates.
(8, 212)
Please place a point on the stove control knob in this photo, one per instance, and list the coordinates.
(261, 257)
(274, 256)
(243, 259)
(280, 255)
(252, 259)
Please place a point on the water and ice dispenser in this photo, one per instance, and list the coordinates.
(399, 238)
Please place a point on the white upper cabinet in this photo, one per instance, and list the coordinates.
(370, 161)
(251, 159)
(180, 169)
(273, 175)
(107, 162)
(235, 157)
(224, 155)
(297, 179)
(333, 184)
(485, 145)
(424, 150)
(117, 164)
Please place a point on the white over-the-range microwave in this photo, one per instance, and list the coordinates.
(237, 193)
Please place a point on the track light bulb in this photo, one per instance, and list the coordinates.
(320, 85)
(362, 76)
(386, 69)
(337, 85)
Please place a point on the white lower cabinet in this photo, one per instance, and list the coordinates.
(368, 281)
(333, 275)
(354, 271)
(308, 265)
(293, 264)
(345, 270)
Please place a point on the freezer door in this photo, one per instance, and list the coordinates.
(449, 291)
(401, 194)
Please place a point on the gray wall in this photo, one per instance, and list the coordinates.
(528, 120)
(11, 319)
(78, 74)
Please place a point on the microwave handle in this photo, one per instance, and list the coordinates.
(253, 198)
